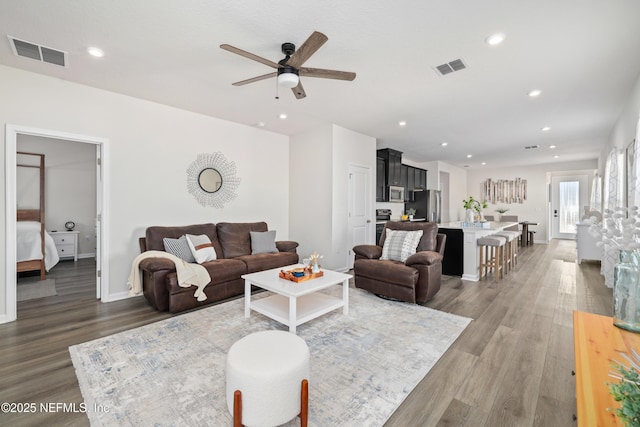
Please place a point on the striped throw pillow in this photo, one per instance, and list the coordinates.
(400, 244)
(179, 247)
(201, 248)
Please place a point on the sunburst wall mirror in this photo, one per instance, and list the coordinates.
(212, 179)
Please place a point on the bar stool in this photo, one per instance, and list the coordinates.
(491, 255)
(511, 252)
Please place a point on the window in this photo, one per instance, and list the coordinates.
(569, 209)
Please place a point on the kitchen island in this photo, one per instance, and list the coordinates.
(461, 253)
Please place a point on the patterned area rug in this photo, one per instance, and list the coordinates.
(32, 288)
(171, 373)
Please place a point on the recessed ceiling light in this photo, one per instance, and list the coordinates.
(552, 146)
(444, 144)
(495, 39)
(534, 93)
(261, 124)
(469, 156)
(546, 129)
(555, 157)
(402, 123)
(283, 116)
(94, 51)
(483, 163)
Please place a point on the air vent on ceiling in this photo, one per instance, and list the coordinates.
(450, 67)
(38, 52)
(531, 147)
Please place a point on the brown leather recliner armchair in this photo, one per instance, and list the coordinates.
(416, 280)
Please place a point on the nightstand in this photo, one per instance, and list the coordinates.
(66, 243)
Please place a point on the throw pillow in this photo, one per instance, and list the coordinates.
(400, 244)
(179, 247)
(201, 248)
(263, 242)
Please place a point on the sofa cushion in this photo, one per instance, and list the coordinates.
(261, 262)
(201, 248)
(428, 242)
(220, 270)
(388, 271)
(235, 239)
(400, 244)
(179, 247)
(154, 235)
(263, 242)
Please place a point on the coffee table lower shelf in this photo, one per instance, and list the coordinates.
(306, 308)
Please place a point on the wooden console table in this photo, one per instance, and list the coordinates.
(596, 344)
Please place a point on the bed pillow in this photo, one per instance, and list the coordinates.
(179, 247)
(201, 248)
(263, 242)
(400, 244)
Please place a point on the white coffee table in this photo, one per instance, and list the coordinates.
(292, 303)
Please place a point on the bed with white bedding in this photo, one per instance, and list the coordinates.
(29, 244)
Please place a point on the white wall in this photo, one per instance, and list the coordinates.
(151, 146)
(70, 183)
(535, 208)
(624, 130)
(319, 162)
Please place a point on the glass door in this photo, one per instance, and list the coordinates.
(569, 197)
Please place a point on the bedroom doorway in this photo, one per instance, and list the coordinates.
(100, 145)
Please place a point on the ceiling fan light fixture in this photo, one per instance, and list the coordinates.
(288, 77)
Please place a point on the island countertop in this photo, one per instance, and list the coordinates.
(493, 226)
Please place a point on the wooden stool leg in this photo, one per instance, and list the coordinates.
(237, 409)
(304, 404)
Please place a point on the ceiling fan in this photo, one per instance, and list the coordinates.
(289, 69)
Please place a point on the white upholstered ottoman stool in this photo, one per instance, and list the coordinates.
(267, 379)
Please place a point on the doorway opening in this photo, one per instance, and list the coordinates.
(101, 221)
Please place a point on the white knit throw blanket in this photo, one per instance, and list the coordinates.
(188, 274)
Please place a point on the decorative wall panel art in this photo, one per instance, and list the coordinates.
(504, 190)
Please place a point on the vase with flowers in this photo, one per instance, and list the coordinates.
(474, 209)
(621, 230)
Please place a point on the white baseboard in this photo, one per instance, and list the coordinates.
(117, 296)
(89, 255)
(5, 319)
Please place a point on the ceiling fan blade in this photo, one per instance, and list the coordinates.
(255, 79)
(249, 55)
(308, 48)
(298, 91)
(327, 74)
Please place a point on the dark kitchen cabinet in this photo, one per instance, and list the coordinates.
(381, 182)
(393, 166)
(420, 179)
(404, 171)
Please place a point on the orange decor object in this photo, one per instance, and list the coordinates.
(308, 275)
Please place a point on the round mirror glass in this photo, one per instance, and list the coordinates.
(210, 180)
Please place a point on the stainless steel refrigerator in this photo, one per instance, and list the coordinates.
(428, 205)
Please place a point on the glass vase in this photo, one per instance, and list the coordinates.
(626, 298)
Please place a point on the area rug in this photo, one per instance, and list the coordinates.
(172, 372)
(33, 287)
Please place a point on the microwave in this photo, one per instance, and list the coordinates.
(396, 194)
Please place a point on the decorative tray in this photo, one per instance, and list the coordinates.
(308, 275)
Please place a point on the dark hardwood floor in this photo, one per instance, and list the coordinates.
(510, 367)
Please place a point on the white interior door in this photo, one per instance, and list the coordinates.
(99, 179)
(569, 196)
(360, 208)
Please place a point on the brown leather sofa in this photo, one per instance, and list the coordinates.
(232, 243)
(416, 280)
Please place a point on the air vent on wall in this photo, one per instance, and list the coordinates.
(531, 147)
(450, 67)
(38, 52)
